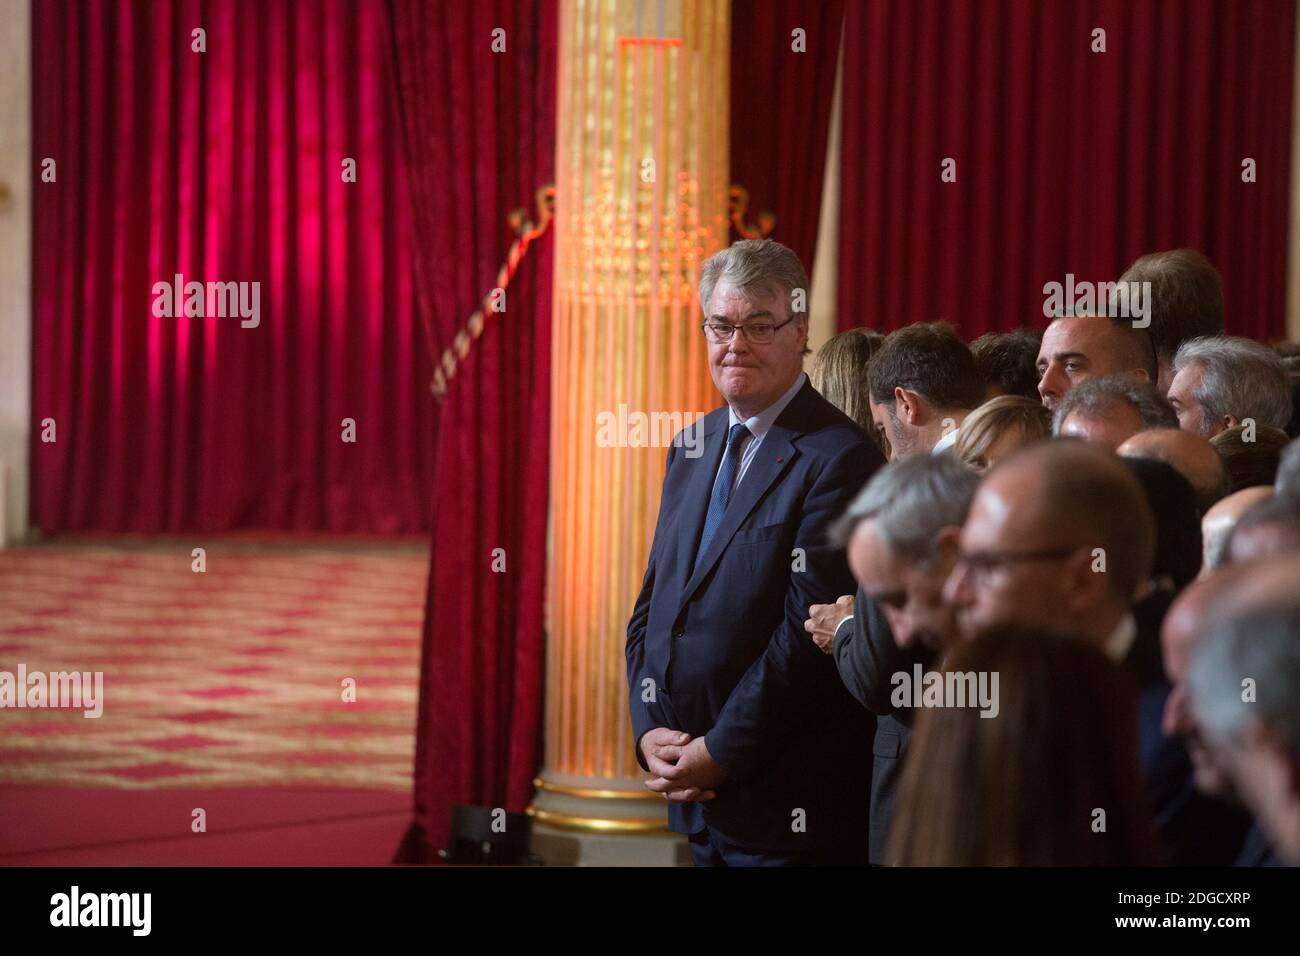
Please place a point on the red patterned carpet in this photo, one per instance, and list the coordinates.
(216, 685)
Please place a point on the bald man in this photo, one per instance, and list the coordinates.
(1190, 455)
(1267, 528)
(1060, 538)
(1030, 546)
(1221, 519)
(1078, 348)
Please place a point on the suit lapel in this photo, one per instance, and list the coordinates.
(772, 458)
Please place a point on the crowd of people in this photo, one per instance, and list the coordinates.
(1031, 600)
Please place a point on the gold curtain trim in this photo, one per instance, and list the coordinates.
(525, 232)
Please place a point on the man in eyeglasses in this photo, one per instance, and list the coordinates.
(742, 723)
(1060, 538)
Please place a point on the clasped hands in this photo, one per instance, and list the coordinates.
(682, 768)
(824, 619)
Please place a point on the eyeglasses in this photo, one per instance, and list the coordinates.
(759, 333)
(984, 564)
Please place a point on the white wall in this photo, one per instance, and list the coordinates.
(15, 263)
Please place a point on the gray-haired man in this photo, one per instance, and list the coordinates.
(1221, 382)
(901, 532)
(740, 719)
(1110, 410)
(1241, 683)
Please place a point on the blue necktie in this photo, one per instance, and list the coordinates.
(721, 496)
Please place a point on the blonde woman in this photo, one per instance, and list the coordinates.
(839, 372)
(999, 427)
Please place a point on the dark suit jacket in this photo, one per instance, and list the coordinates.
(725, 646)
(867, 659)
(1194, 829)
(1256, 850)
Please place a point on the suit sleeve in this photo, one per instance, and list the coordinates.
(793, 681)
(642, 717)
(867, 657)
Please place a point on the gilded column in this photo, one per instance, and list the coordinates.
(641, 177)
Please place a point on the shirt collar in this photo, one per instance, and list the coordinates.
(1121, 639)
(761, 423)
(946, 442)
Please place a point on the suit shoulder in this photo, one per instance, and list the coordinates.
(830, 431)
(694, 429)
(820, 415)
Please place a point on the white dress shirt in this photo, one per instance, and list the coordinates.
(758, 427)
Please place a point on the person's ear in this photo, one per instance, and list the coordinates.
(1230, 421)
(1141, 374)
(947, 547)
(908, 404)
(1086, 574)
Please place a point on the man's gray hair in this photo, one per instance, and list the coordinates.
(1261, 646)
(1240, 378)
(1096, 398)
(912, 501)
(756, 265)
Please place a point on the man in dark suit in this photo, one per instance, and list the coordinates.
(901, 533)
(741, 721)
(1240, 683)
(1219, 820)
(1060, 537)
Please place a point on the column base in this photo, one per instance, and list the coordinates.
(558, 847)
(581, 821)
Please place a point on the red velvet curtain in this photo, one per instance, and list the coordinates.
(479, 135)
(1067, 160)
(222, 166)
(781, 100)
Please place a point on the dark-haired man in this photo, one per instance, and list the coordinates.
(1077, 348)
(924, 382)
(1008, 361)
